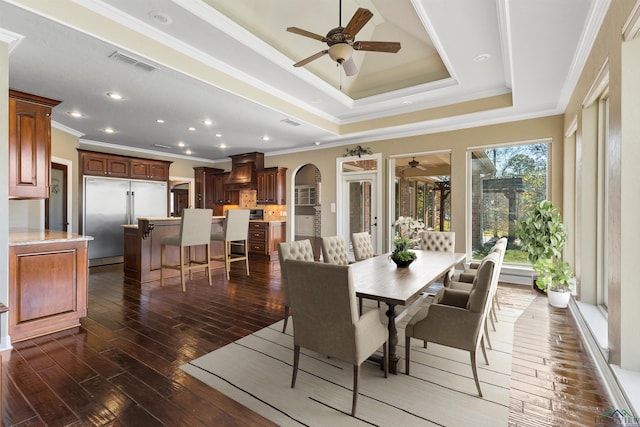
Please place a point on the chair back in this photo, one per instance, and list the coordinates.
(299, 250)
(236, 225)
(362, 248)
(195, 227)
(479, 296)
(442, 241)
(334, 250)
(324, 307)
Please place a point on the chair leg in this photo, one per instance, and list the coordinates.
(208, 263)
(493, 312)
(493, 325)
(227, 253)
(246, 255)
(356, 376)
(486, 334)
(163, 249)
(407, 353)
(296, 360)
(484, 351)
(495, 300)
(286, 318)
(360, 306)
(182, 281)
(475, 371)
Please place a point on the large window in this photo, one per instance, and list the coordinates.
(506, 182)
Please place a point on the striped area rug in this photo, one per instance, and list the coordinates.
(256, 371)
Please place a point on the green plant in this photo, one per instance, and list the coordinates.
(543, 236)
(401, 250)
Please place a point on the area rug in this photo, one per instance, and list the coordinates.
(256, 372)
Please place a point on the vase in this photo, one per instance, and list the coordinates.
(558, 299)
(402, 263)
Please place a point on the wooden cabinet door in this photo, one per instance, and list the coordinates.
(149, 170)
(218, 184)
(158, 171)
(105, 165)
(29, 150)
(271, 186)
(139, 169)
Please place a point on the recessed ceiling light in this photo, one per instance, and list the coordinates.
(265, 138)
(407, 102)
(207, 122)
(316, 143)
(219, 135)
(223, 145)
(108, 130)
(76, 114)
(192, 129)
(482, 57)
(160, 121)
(188, 152)
(160, 17)
(180, 144)
(114, 95)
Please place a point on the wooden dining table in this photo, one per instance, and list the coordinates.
(379, 279)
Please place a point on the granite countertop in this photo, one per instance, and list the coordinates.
(29, 236)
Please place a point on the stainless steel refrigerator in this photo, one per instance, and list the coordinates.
(110, 203)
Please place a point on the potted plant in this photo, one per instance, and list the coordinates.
(401, 254)
(543, 236)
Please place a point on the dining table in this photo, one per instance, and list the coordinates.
(379, 279)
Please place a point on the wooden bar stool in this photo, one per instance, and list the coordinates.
(235, 233)
(195, 229)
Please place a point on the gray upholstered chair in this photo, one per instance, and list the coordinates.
(441, 241)
(326, 320)
(195, 228)
(457, 319)
(234, 233)
(362, 248)
(334, 250)
(300, 250)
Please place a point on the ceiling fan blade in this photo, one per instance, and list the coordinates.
(350, 67)
(311, 58)
(391, 47)
(306, 33)
(358, 20)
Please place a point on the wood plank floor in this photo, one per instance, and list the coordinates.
(121, 367)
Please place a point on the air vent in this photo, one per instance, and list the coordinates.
(162, 146)
(127, 59)
(290, 122)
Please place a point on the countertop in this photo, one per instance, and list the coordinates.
(28, 236)
(173, 218)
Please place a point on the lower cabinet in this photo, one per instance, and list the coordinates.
(264, 237)
(47, 287)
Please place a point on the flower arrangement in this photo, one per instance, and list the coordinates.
(409, 228)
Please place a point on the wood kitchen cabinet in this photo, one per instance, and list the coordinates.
(29, 145)
(149, 170)
(206, 191)
(115, 166)
(264, 237)
(100, 164)
(272, 186)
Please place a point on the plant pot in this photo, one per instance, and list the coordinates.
(402, 263)
(558, 299)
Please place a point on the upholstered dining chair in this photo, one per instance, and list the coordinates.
(300, 250)
(326, 320)
(195, 227)
(441, 241)
(457, 318)
(362, 247)
(235, 232)
(334, 250)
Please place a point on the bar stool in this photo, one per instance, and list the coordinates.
(195, 229)
(235, 233)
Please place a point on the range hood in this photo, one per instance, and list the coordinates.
(243, 170)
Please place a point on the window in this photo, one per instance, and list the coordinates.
(506, 182)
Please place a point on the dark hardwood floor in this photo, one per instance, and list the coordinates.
(121, 367)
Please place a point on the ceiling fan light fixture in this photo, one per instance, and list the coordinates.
(340, 52)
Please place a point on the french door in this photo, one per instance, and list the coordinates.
(359, 198)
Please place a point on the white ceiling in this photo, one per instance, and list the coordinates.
(231, 62)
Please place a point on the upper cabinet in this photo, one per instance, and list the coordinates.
(272, 186)
(114, 166)
(29, 145)
(206, 191)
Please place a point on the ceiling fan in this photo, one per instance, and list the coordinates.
(413, 164)
(341, 41)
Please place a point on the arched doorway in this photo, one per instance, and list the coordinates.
(306, 206)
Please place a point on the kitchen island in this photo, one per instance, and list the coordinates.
(48, 275)
(142, 245)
